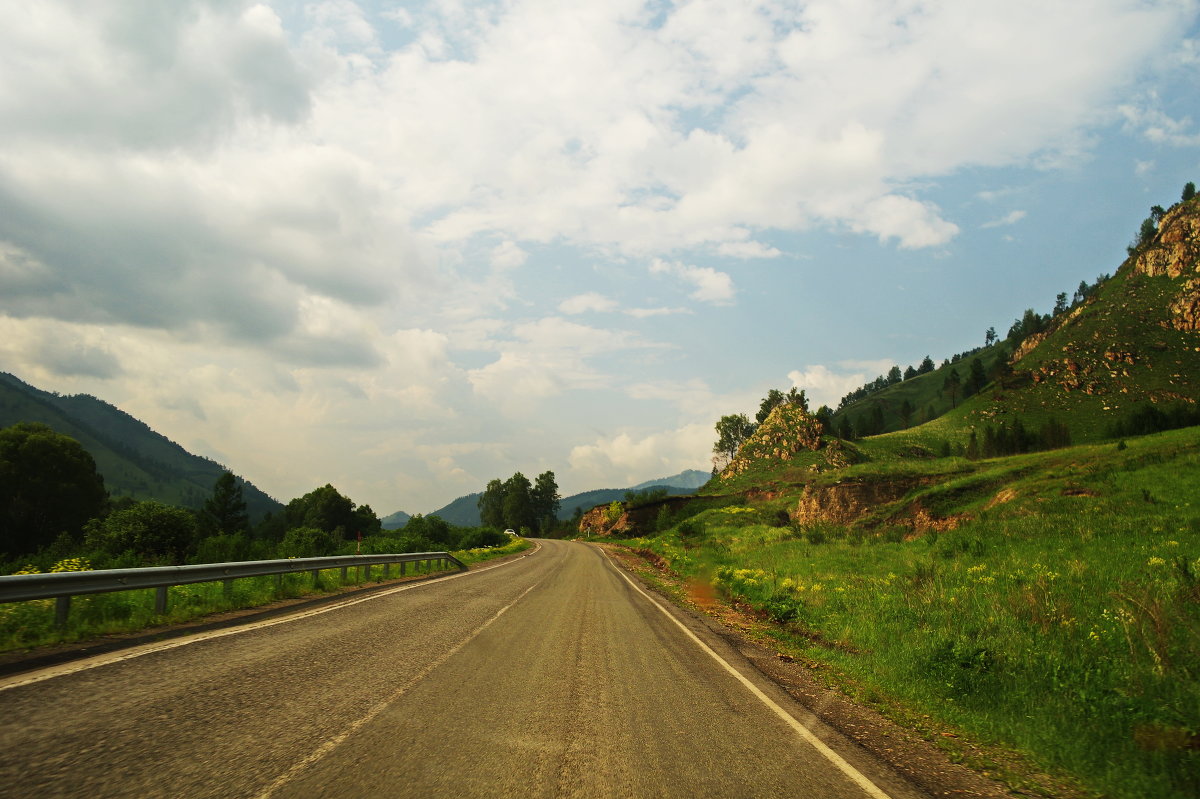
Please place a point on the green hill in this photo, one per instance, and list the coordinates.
(1036, 614)
(1133, 342)
(134, 460)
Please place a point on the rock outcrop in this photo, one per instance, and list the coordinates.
(848, 501)
(618, 519)
(1175, 253)
(786, 432)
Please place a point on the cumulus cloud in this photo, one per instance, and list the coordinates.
(824, 386)
(1011, 218)
(319, 210)
(591, 301)
(646, 313)
(630, 458)
(747, 249)
(1159, 127)
(547, 357)
(710, 285)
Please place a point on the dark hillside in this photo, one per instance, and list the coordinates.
(134, 460)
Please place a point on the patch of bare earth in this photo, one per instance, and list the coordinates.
(927, 754)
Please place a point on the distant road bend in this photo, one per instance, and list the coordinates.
(553, 675)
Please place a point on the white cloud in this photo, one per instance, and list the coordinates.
(508, 256)
(546, 358)
(261, 216)
(591, 301)
(711, 286)
(747, 249)
(630, 458)
(1160, 128)
(824, 386)
(1010, 218)
(645, 313)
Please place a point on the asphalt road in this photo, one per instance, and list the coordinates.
(552, 675)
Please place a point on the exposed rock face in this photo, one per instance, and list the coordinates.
(1175, 253)
(1185, 310)
(1027, 346)
(789, 429)
(628, 521)
(847, 502)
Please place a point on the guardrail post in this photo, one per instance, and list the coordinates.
(228, 588)
(402, 565)
(344, 569)
(279, 583)
(387, 570)
(316, 578)
(62, 607)
(160, 600)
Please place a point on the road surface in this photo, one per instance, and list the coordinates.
(552, 675)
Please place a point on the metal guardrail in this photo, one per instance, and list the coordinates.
(61, 586)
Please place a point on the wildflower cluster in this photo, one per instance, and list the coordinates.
(71, 565)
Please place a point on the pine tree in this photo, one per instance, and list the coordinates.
(226, 511)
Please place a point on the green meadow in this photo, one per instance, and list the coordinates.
(1056, 616)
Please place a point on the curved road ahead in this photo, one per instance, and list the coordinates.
(552, 675)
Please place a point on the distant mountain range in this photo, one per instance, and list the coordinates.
(134, 460)
(464, 511)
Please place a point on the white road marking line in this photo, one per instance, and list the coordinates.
(96, 661)
(833, 757)
(332, 743)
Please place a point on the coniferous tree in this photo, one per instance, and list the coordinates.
(1189, 191)
(976, 378)
(926, 366)
(225, 511)
(951, 385)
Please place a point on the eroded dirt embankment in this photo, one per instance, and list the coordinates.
(848, 501)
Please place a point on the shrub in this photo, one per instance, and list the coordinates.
(306, 542)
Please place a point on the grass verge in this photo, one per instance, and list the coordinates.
(1060, 620)
(24, 625)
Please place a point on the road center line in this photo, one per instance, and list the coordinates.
(833, 757)
(332, 743)
(96, 661)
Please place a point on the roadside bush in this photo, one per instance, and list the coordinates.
(152, 531)
(306, 542)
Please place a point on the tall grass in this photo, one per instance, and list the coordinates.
(1061, 624)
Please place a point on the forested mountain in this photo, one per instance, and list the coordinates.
(134, 460)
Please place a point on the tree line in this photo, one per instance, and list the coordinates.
(54, 505)
(521, 506)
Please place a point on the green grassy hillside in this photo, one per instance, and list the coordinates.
(1134, 342)
(1034, 614)
(1037, 614)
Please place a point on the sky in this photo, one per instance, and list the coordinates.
(409, 247)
